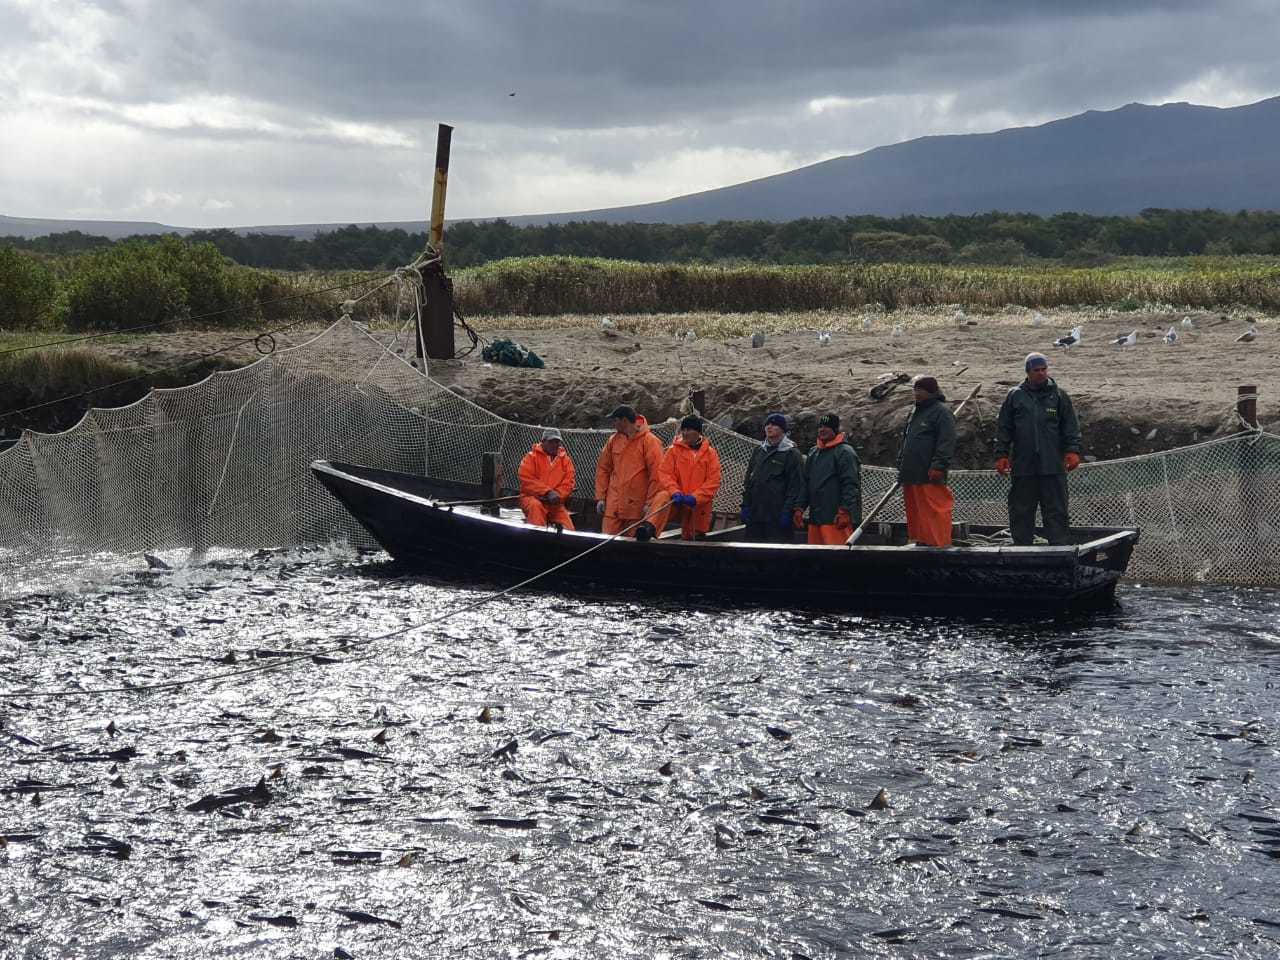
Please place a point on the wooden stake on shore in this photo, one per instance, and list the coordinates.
(435, 327)
(1247, 405)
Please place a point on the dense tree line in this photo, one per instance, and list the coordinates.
(982, 238)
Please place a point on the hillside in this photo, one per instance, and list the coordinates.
(1117, 162)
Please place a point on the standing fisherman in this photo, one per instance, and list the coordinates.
(774, 486)
(1038, 441)
(928, 444)
(690, 478)
(833, 486)
(627, 471)
(546, 480)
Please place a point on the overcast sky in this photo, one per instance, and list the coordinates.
(231, 113)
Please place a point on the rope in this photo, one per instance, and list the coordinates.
(279, 663)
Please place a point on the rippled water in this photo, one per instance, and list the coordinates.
(654, 779)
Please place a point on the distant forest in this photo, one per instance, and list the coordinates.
(991, 238)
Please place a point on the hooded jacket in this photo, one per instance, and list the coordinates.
(774, 482)
(928, 441)
(539, 474)
(1036, 428)
(833, 479)
(627, 472)
(686, 470)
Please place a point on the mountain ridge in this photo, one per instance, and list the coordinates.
(1101, 162)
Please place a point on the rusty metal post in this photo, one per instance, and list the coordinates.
(435, 327)
(1247, 405)
(491, 477)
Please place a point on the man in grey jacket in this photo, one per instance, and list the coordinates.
(1037, 442)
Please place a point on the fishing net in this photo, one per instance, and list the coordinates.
(224, 464)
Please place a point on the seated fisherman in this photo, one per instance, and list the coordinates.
(690, 477)
(546, 481)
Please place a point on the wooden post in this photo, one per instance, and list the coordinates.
(491, 476)
(1247, 405)
(435, 328)
(699, 400)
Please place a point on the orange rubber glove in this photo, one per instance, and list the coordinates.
(937, 476)
(1002, 466)
(797, 518)
(1071, 461)
(843, 520)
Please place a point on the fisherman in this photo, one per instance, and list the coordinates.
(690, 479)
(833, 486)
(928, 444)
(627, 472)
(546, 480)
(1038, 442)
(774, 485)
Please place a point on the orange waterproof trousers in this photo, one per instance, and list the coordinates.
(929, 507)
(540, 513)
(828, 534)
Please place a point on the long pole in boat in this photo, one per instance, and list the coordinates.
(435, 326)
(875, 511)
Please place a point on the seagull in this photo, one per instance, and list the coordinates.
(866, 324)
(1072, 338)
(690, 334)
(959, 318)
(1248, 336)
(1127, 340)
(1172, 336)
(899, 331)
(1186, 322)
(757, 340)
(824, 337)
(1037, 318)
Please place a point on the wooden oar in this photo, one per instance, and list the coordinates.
(875, 511)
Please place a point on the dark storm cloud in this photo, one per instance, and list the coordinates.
(600, 64)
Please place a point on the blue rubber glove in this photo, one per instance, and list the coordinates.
(745, 515)
(784, 520)
(685, 500)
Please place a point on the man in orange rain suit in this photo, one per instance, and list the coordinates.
(690, 478)
(832, 486)
(627, 472)
(546, 481)
(928, 444)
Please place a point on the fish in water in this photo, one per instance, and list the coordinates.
(1126, 340)
(1071, 339)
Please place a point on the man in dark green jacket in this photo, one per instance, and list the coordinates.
(928, 444)
(774, 486)
(1038, 442)
(833, 486)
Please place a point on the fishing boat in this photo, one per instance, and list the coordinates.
(415, 519)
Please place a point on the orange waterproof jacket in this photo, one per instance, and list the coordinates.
(697, 472)
(539, 474)
(627, 472)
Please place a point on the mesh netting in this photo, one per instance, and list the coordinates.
(224, 463)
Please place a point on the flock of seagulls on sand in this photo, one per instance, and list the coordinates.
(1065, 342)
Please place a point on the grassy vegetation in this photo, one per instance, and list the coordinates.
(556, 285)
(193, 286)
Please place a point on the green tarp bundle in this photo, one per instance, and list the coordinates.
(511, 354)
